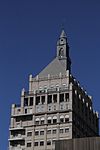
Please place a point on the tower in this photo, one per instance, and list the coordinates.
(63, 51)
(55, 107)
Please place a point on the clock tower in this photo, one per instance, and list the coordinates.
(63, 51)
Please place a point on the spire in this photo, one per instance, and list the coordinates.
(63, 34)
(63, 51)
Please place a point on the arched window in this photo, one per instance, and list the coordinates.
(55, 119)
(49, 120)
(37, 120)
(61, 119)
(67, 118)
(61, 52)
(42, 120)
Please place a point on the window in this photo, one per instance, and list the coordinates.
(66, 130)
(25, 101)
(19, 110)
(61, 130)
(61, 97)
(61, 107)
(42, 120)
(54, 119)
(61, 120)
(48, 142)
(37, 121)
(42, 99)
(67, 97)
(54, 131)
(25, 111)
(31, 101)
(55, 98)
(48, 131)
(49, 99)
(41, 132)
(54, 107)
(29, 133)
(36, 133)
(29, 144)
(49, 108)
(49, 121)
(67, 106)
(24, 118)
(67, 118)
(41, 143)
(36, 144)
(37, 100)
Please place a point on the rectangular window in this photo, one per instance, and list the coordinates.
(41, 143)
(66, 130)
(55, 98)
(43, 99)
(61, 120)
(24, 118)
(66, 119)
(29, 144)
(31, 101)
(48, 131)
(36, 133)
(54, 120)
(36, 144)
(48, 142)
(25, 111)
(49, 121)
(67, 97)
(54, 131)
(41, 132)
(37, 100)
(49, 108)
(26, 101)
(37, 122)
(42, 121)
(61, 97)
(61, 106)
(49, 99)
(29, 133)
(54, 107)
(61, 130)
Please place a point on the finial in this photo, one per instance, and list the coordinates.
(63, 34)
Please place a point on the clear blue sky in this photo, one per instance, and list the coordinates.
(29, 30)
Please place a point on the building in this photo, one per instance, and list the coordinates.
(56, 107)
(91, 143)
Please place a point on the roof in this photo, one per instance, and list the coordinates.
(54, 68)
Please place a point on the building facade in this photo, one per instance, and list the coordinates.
(56, 107)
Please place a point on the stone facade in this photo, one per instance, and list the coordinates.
(56, 107)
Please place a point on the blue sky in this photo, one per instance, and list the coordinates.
(29, 30)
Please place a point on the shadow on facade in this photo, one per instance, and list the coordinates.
(92, 143)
